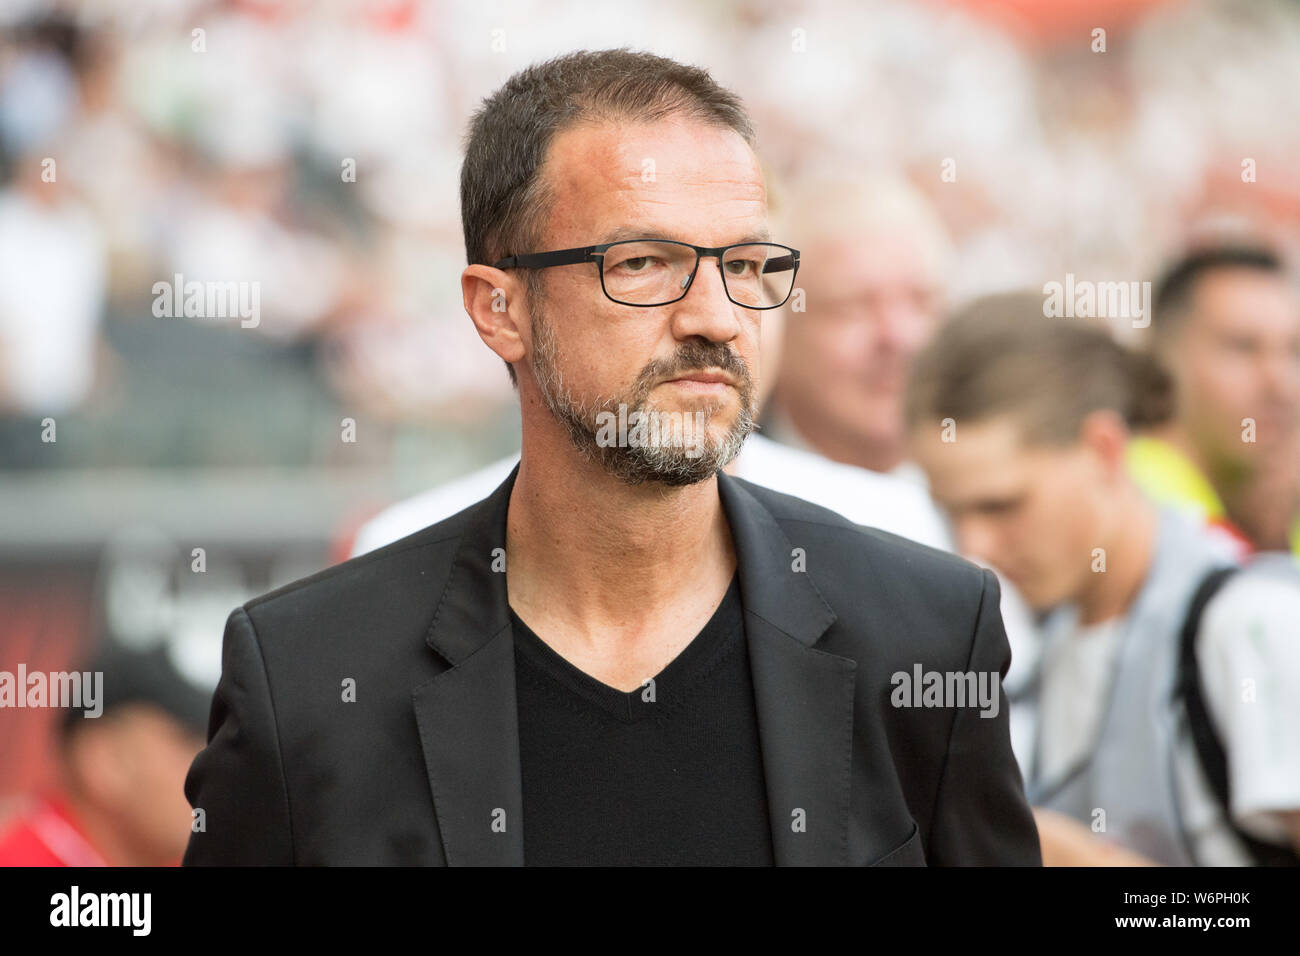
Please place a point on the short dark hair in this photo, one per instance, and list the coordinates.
(1001, 356)
(503, 201)
(1176, 287)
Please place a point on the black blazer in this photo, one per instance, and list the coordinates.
(423, 766)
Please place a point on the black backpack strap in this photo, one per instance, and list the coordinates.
(1208, 747)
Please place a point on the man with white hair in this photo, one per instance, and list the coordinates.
(874, 277)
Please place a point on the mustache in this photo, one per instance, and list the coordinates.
(695, 356)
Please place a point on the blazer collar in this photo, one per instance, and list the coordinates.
(772, 589)
(474, 605)
(468, 716)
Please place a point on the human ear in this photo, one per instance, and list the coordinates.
(496, 305)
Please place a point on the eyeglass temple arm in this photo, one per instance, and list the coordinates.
(542, 260)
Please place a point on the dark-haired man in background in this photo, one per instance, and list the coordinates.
(623, 655)
(1226, 327)
(1166, 682)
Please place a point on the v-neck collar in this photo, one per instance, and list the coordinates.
(670, 686)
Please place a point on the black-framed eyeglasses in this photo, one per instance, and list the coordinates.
(651, 272)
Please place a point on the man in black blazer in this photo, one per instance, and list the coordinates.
(623, 655)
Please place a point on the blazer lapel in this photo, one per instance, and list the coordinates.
(804, 697)
(467, 715)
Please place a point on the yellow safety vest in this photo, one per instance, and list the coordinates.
(1167, 476)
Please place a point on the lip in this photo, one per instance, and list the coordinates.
(704, 378)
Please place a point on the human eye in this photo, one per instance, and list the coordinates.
(636, 258)
(637, 264)
(745, 267)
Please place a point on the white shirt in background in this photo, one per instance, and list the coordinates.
(52, 286)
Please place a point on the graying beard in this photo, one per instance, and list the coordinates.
(665, 464)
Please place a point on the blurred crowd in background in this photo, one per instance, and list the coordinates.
(156, 471)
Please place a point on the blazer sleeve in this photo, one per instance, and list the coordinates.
(238, 779)
(981, 816)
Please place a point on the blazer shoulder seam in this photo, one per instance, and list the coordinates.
(327, 573)
(872, 536)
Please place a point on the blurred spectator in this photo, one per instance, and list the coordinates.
(1226, 327)
(1033, 474)
(52, 278)
(874, 259)
(119, 799)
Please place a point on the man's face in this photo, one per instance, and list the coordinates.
(677, 179)
(873, 304)
(1237, 356)
(132, 763)
(1034, 513)
(158, 751)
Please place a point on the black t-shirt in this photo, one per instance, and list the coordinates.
(668, 774)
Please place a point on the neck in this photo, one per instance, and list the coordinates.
(601, 558)
(1129, 553)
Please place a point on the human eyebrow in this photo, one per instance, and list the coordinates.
(632, 232)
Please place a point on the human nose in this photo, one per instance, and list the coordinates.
(705, 310)
(977, 539)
